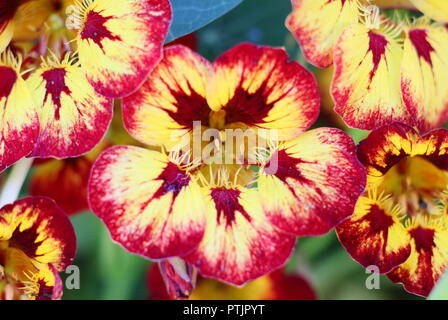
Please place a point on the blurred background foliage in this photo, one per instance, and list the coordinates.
(110, 272)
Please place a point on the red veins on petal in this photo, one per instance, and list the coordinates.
(377, 45)
(420, 273)
(55, 86)
(227, 205)
(96, 30)
(419, 40)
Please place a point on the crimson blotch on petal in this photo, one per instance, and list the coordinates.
(36, 241)
(121, 41)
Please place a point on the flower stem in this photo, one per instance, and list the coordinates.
(14, 182)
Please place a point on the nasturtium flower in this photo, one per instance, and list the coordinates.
(64, 108)
(384, 71)
(400, 224)
(278, 285)
(73, 117)
(229, 221)
(36, 242)
(60, 178)
(118, 42)
(53, 113)
(19, 125)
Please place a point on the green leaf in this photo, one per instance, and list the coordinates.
(191, 15)
(440, 291)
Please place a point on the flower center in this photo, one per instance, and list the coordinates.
(417, 185)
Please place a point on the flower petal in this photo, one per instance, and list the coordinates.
(257, 87)
(366, 83)
(162, 111)
(316, 24)
(386, 146)
(374, 235)
(19, 124)
(239, 243)
(150, 206)
(58, 179)
(121, 42)
(49, 284)
(427, 262)
(424, 79)
(317, 181)
(37, 227)
(6, 32)
(436, 9)
(73, 117)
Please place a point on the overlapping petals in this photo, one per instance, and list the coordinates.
(248, 86)
(150, 204)
(366, 82)
(400, 224)
(239, 243)
(312, 196)
(258, 87)
(36, 241)
(120, 42)
(163, 110)
(73, 117)
(316, 24)
(19, 123)
(165, 205)
(384, 71)
(424, 76)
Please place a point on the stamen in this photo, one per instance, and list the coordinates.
(9, 59)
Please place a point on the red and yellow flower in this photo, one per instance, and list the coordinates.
(278, 285)
(64, 107)
(400, 224)
(216, 215)
(384, 72)
(66, 180)
(36, 241)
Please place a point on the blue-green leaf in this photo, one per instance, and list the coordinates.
(440, 291)
(191, 15)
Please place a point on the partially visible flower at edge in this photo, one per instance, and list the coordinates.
(400, 224)
(36, 241)
(385, 71)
